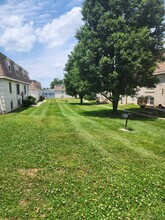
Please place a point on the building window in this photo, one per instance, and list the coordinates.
(150, 88)
(17, 69)
(150, 100)
(25, 89)
(8, 64)
(11, 103)
(10, 87)
(17, 72)
(18, 89)
(19, 102)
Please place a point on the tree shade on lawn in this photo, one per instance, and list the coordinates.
(120, 45)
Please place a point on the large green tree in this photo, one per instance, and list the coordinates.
(123, 43)
(75, 86)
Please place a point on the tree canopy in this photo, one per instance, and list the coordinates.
(121, 45)
(74, 84)
(56, 81)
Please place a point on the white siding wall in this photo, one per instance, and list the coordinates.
(128, 100)
(60, 94)
(10, 101)
(157, 93)
(36, 93)
(160, 91)
(52, 93)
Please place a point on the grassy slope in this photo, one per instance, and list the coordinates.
(70, 161)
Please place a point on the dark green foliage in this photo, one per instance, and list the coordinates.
(91, 96)
(122, 44)
(30, 100)
(41, 98)
(74, 83)
(56, 81)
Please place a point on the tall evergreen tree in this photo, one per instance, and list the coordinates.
(123, 43)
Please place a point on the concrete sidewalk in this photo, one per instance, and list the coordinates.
(143, 114)
(39, 103)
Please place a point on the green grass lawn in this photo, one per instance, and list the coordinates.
(63, 160)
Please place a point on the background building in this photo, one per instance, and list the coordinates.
(36, 90)
(155, 96)
(58, 91)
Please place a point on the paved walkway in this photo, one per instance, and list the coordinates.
(143, 114)
(39, 103)
(137, 113)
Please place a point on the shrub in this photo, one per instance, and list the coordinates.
(142, 101)
(41, 98)
(30, 100)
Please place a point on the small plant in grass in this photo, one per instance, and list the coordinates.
(142, 101)
(30, 100)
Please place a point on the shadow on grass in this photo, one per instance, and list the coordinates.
(18, 110)
(87, 103)
(104, 113)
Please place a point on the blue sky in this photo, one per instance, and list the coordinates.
(39, 35)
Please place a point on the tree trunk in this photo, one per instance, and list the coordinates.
(81, 100)
(115, 103)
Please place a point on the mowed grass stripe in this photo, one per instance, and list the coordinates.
(99, 135)
(41, 110)
(150, 129)
(85, 135)
(68, 163)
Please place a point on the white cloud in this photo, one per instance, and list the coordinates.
(11, 21)
(36, 27)
(60, 30)
(19, 38)
(58, 65)
(21, 7)
(16, 34)
(48, 65)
